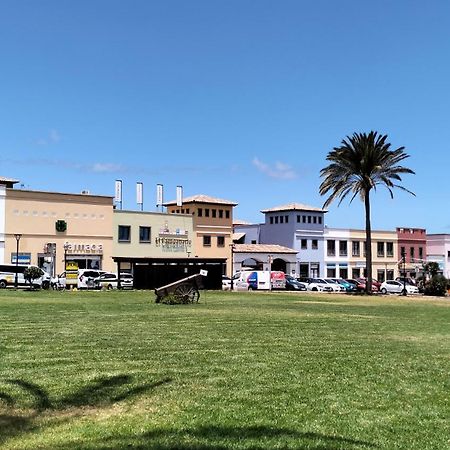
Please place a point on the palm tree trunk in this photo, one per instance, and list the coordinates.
(368, 243)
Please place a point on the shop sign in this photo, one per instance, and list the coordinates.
(170, 244)
(71, 270)
(84, 248)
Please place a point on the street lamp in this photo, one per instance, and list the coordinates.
(404, 271)
(231, 266)
(66, 248)
(17, 236)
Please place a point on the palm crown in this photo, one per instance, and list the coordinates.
(360, 164)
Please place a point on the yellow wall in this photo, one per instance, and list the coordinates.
(33, 214)
(378, 262)
(164, 240)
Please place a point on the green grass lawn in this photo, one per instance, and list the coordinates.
(237, 371)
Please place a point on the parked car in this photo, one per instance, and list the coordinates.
(292, 284)
(86, 278)
(375, 283)
(226, 283)
(360, 287)
(396, 287)
(349, 287)
(319, 284)
(337, 287)
(110, 280)
(58, 282)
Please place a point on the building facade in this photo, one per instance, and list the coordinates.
(438, 250)
(412, 243)
(49, 228)
(212, 225)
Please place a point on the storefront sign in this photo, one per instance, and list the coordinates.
(84, 248)
(176, 233)
(173, 244)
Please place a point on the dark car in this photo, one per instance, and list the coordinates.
(292, 284)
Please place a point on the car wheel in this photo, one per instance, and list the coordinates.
(45, 284)
(109, 287)
(314, 289)
(403, 292)
(3, 284)
(384, 291)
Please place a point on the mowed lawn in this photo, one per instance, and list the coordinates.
(114, 370)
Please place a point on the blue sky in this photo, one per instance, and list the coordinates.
(236, 99)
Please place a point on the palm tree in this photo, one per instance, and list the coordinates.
(360, 164)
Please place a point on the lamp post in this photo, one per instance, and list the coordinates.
(231, 266)
(404, 271)
(66, 248)
(17, 236)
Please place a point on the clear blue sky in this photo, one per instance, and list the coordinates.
(235, 99)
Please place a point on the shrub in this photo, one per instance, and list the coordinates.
(32, 273)
(436, 286)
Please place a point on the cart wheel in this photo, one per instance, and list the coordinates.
(186, 293)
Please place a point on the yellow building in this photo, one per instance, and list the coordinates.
(48, 228)
(384, 254)
(152, 235)
(213, 225)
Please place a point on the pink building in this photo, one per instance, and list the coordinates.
(412, 243)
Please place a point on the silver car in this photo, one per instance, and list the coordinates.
(396, 287)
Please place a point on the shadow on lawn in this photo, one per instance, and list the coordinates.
(222, 438)
(100, 392)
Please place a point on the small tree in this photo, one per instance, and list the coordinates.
(436, 286)
(32, 273)
(431, 269)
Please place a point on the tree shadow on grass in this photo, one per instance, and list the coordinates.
(100, 392)
(226, 438)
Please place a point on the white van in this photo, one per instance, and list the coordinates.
(259, 280)
(8, 276)
(87, 278)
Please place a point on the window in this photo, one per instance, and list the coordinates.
(304, 244)
(411, 253)
(380, 249)
(182, 211)
(286, 219)
(187, 210)
(389, 274)
(320, 220)
(314, 219)
(380, 275)
(214, 212)
(309, 219)
(343, 272)
(420, 252)
(331, 248)
(342, 248)
(220, 241)
(281, 219)
(220, 213)
(200, 212)
(389, 249)
(124, 233)
(356, 272)
(276, 219)
(314, 244)
(144, 234)
(227, 214)
(298, 219)
(206, 212)
(355, 248)
(331, 272)
(253, 241)
(271, 220)
(304, 219)
(206, 241)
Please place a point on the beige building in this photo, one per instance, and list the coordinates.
(385, 256)
(49, 228)
(213, 225)
(152, 235)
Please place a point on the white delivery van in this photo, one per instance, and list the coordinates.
(8, 276)
(259, 280)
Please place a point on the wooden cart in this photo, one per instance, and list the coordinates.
(185, 290)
